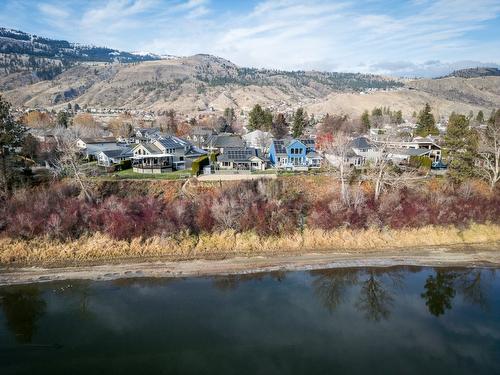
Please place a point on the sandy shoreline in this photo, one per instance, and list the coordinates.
(485, 255)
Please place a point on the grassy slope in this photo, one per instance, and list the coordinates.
(101, 248)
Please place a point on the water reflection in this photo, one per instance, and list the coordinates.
(441, 288)
(373, 292)
(375, 288)
(22, 308)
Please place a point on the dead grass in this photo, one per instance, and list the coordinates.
(100, 247)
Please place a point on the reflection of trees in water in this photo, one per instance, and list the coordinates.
(472, 284)
(439, 292)
(375, 295)
(231, 282)
(375, 301)
(377, 287)
(22, 307)
(331, 286)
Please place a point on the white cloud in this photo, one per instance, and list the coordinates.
(53, 11)
(293, 34)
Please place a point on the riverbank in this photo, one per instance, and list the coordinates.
(100, 257)
(479, 255)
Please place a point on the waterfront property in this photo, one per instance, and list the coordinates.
(91, 147)
(419, 143)
(147, 158)
(108, 158)
(241, 158)
(294, 154)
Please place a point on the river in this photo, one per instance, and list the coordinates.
(409, 320)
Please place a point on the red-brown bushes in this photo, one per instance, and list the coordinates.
(268, 208)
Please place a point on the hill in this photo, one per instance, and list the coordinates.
(39, 72)
(28, 58)
(475, 72)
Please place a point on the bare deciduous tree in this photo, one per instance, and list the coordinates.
(337, 154)
(67, 163)
(489, 152)
(383, 175)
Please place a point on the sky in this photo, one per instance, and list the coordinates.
(394, 37)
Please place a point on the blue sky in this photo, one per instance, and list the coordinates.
(406, 38)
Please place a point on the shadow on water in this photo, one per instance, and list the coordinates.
(22, 307)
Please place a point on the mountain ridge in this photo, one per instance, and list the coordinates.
(204, 82)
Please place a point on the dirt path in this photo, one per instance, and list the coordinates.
(441, 256)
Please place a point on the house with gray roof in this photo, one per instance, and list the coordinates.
(108, 158)
(241, 158)
(221, 141)
(294, 154)
(184, 152)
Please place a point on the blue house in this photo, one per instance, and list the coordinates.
(294, 154)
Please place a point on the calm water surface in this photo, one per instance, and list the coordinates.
(407, 320)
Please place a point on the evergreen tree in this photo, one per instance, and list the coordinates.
(229, 116)
(480, 117)
(377, 112)
(11, 137)
(279, 128)
(426, 124)
(62, 119)
(299, 123)
(461, 147)
(259, 118)
(222, 125)
(397, 117)
(365, 119)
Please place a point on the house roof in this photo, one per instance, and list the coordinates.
(408, 151)
(224, 140)
(361, 143)
(172, 142)
(119, 152)
(148, 131)
(98, 140)
(150, 147)
(238, 154)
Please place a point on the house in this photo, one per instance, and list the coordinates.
(200, 134)
(364, 148)
(168, 152)
(417, 143)
(85, 142)
(109, 158)
(403, 155)
(146, 134)
(220, 141)
(183, 151)
(241, 158)
(294, 154)
(90, 147)
(258, 139)
(147, 158)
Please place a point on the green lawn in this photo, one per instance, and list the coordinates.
(130, 174)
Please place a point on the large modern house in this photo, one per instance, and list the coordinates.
(165, 154)
(294, 154)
